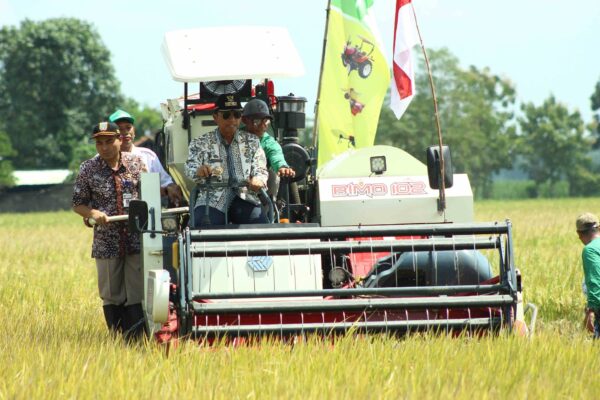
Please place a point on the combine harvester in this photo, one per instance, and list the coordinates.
(365, 243)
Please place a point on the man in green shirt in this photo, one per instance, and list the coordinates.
(587, 225)
(257, 118)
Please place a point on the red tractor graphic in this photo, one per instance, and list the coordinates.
(355, 106)
(358, 57)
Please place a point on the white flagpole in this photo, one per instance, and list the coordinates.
(442, 199)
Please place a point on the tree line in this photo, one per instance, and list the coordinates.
(57, 80)
(488, 132)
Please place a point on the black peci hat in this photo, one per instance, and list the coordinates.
(105, 129)
(229, 101)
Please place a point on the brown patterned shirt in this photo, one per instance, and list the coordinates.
(100, 187)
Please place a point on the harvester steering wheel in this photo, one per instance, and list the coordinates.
(209, 185)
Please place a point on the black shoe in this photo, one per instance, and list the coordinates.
(134, 327)
(114, 316)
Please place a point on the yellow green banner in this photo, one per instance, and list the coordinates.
(354, 80)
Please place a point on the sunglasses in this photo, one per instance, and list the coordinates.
(257, 122)
(227, 114)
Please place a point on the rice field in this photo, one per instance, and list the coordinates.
(54, 344)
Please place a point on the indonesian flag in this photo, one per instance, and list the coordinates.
(405, 37)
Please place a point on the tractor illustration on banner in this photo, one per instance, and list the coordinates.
(343, 137)
(358, 57)
(355, 106)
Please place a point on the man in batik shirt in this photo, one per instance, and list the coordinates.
(104, 187)
(228, 154)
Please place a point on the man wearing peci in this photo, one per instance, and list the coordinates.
(104, 187)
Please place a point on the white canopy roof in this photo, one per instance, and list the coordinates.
(237, 52)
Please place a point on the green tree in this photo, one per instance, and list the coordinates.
(595, 101)
(56, 81)
(6, 169)
(553, 147)
(476, 110)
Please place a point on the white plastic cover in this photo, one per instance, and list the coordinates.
(236, 52)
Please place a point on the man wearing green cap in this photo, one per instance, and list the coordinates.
(588, 226)
(125, 121)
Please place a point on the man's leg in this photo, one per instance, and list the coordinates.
(112, 291)
(215, 216)
(596, 317)
(243, 212)
(135, 323)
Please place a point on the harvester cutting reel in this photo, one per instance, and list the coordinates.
(246, 281)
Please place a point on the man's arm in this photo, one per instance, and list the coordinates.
(166, 182)
(194, 161)
(591, 270)
(275, 156)
(258, 172)
(273, 152)
(156, 166)
(88, 212)
(82, 196)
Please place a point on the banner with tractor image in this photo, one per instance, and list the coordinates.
(354, 80)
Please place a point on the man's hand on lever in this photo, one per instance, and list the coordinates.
(95, 217)
(286, 172)
(204, 171)
(255, 184)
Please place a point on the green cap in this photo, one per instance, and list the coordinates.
(121, 115)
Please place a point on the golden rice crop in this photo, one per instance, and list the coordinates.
(53, 342)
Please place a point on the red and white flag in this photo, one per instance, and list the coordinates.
(405, 37)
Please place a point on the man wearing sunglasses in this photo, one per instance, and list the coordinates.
(125, 121)
(230, 155)
(256, 118)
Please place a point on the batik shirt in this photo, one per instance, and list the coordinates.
(246, 159)
(100, 187)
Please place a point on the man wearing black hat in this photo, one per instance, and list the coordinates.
(588, 230)
(104, 186)
(256, 118)
(230, 155)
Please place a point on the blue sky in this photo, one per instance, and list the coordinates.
(543, 46)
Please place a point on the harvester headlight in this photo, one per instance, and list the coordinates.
(378, 165)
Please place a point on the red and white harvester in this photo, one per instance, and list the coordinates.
(365, 243)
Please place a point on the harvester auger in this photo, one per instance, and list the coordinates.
(361, 244)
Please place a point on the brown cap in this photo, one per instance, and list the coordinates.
(586, 221)
(105, 129)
